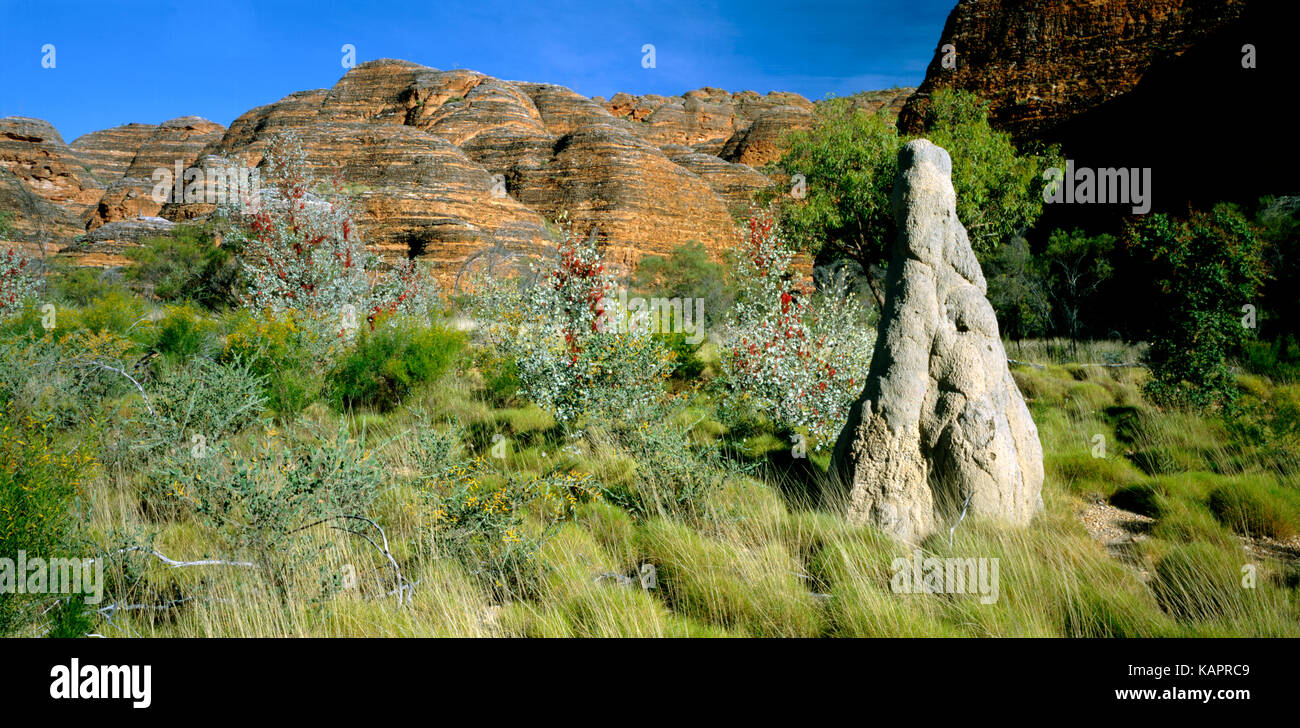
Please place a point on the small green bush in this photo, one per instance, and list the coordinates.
(480, 517)
(197, 404)
(686, 365)
(187, 265)
(500, 379)
(79, 286)
(280, 350)
(39, 485)
(266, 503)
(183, 332)
(116, 312)
(386, 363)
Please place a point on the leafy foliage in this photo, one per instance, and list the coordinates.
(18, 281)
(186, 265)
(300, 249)
(194, 406)
(40, 483)
(801, 364)
(387, 362)
(1204, 269)
(265, 504)
(850, 159)
(573, 349)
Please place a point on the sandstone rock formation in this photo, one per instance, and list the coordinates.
(109, 152)
(1041, 62)
(444, 164)
(34, 152)
(130, 194)
(32, 217)
(940, 426)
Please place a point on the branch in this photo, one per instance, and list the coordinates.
(403, 586)
(128, 376)
(178, 564)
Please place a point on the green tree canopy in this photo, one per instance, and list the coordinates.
(1204, 270)
(849, 160)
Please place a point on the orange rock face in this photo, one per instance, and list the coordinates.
(1041, 62)
(443, 164)
(33, 151)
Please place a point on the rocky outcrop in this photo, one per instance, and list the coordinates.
(33, 218)
(940, 427)
(109, 152)
(764, 140)
(106, 246)
(735, 183)
(421, 147)
(1041, 62)
(642, 203)
(446, 163)
(171, 144)
(34, 152)
(704, 118)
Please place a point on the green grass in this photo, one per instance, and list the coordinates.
(759, 555)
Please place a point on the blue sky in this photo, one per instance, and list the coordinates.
(118, 61)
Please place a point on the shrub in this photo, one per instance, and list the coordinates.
(688, 272)
(63, 376)
(674, 475)
(181, 333)
(1279, 359)
(195, 405)
(500, 377)
(387, 362)
(802, 365)
(186, 265)
(18, 280)
(80, 286)
(479, 516)
(266, 503)
(1204, 269)
(282, 351)
(849, 160)
(301, 250)
(116, 312)
(40, 483)
(577, 353)
(686, 366)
